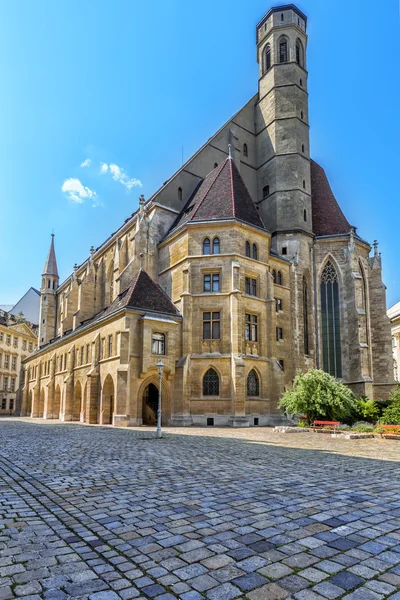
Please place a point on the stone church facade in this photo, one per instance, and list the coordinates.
(238, 272)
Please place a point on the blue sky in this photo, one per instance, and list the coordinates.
(129, 83)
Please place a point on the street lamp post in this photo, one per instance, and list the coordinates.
(160, 366)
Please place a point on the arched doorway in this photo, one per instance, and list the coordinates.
(76, 404)
(107, 401)
(150, 404)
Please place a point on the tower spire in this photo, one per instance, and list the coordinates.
(50, 267)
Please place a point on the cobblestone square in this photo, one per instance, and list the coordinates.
(104, 513)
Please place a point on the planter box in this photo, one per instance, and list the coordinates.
(353, 436)
(285, 429)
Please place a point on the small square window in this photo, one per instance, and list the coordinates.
(210, 422)
(284, 250)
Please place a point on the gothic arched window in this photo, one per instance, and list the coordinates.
(279, 278)
(330, 315)
(206, 246)
(211, 383)
(283, 50)
(305, 318)
(248, 249)
(255, 252)
(180, 194)
(245, 150)
(299, 53)
(274, 275)
(253, 384)
(267, 57)
(216, 246)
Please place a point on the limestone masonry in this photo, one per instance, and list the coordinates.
(239, 271)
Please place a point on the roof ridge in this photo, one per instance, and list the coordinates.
(232, 188)
(219, 169)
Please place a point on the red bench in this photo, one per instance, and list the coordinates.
(394, 429)
(321, 425)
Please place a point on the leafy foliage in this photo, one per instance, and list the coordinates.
(363, 427)
(391, 415)
(367, 410)
(317, 394)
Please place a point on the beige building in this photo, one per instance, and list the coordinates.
(240, 270)
(17, 341)
(394, 316)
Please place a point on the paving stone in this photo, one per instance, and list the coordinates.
(271, 591)
(346, 580)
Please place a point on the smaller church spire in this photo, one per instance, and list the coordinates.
(50, 267)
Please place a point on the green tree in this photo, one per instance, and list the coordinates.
(391, 414)
(317, 394)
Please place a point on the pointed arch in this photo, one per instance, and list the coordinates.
(107, 401)
(253, 383)
(283, 49)
(216, 247)
(206, 246)
(330, 320)
(42, 400)
(76, 402)
(299, 53)
(267, 58)
(255, 251)
(245, 150)
(210, 382)
(248, 249)
(274, 275)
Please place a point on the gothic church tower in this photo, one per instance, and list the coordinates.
(48, 297)
(283, 156)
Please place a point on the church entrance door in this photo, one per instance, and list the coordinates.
(150, 404)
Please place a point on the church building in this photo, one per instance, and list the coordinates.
(238, 272)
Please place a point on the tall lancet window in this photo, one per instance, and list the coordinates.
(267, 57)
(283, 51)
(330, 311)
(305, 318)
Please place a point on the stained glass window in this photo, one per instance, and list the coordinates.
(253, 384)
(330, 311)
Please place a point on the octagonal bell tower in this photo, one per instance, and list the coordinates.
(283, 156)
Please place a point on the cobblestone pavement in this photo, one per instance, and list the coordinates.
(103, 513)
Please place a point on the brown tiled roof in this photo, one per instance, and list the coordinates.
(328, 218)
(143, 293)
(221, 195)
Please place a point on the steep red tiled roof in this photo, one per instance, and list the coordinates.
(143, 293)
(221, 195)
(328, 218)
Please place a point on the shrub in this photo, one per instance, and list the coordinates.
(391, 415)
(367, 410)
(318, 394)
(363, 427)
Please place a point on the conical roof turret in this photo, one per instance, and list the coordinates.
(50, 267)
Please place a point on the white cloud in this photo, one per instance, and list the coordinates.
(77, 192)
(86, 163)
(118, 174)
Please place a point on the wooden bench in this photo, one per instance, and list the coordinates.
(322, 424)
(391, 429)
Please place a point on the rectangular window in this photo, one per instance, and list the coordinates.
(87, 353)
(211, 326)
(103, 348)
(4, 404)
(158, 343)
(1, 336)
(82, 354)
(15, 342)
(251, 328)
(211, 282)
(65, 362)
(279, 333)
(12, 387)
(14, 363)
(110, 345)
(279, 304)
(23, 344)
(251, 286)
(5, 383)
(282, 364)
(8, 339)
(1, 359)
(6, 361)
(30, 346)
(11, 404)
